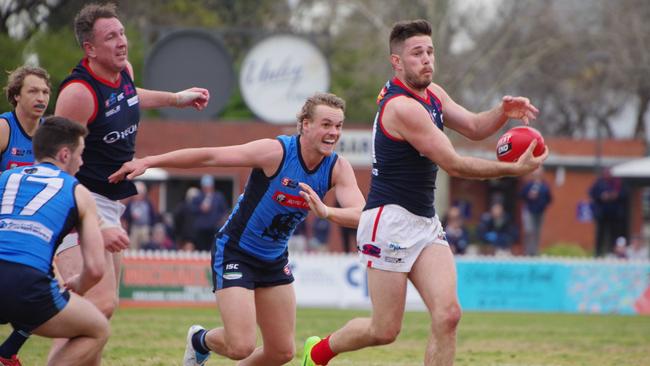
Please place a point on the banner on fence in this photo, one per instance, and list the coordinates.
(484, 284)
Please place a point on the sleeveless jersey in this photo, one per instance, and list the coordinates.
(111, 131)
(19, 148)
(37, 209)
(400, 174)
(270, 208)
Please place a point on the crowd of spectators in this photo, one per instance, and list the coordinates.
(192, 224)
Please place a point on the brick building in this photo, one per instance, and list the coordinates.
(570, 170)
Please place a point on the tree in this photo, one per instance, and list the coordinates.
(22, 18)
(626, 41)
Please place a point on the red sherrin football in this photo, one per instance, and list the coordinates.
(515, 141)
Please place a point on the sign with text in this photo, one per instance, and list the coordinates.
(356, 147)
(340, 281)
(279, 74)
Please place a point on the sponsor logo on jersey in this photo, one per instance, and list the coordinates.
(16, 151)
(27, 227)
(113, 136)
(288, 182)
(14, 164)
(382, 93)
(290, 200)
(132, 101)
(128, 90)
(111, 112)
(112, 99)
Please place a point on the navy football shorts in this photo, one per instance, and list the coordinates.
(28, 297)
(234, 267)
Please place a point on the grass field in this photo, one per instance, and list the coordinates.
(157, 337)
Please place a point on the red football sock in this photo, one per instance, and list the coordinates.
(322, 353)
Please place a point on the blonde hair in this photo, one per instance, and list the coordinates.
(307, 110)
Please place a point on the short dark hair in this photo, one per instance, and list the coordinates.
(55, 133)
(406, 29)
(327, 99)
(85, 20)
(17, 78)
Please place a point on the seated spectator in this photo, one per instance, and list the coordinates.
(210, 210)
(620, 249)
(348, 237)
(637, 250)
(497, 230)
(298, 241)
(159, 239)
(320, 234)
(455, 230)
(184, 221)
(140, 215)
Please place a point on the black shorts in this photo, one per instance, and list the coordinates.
(29, 297)
(234, 267)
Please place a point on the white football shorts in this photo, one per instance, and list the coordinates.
(391, 238)
(109, 213)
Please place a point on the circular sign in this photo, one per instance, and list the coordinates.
(279, 74)
(188, 58)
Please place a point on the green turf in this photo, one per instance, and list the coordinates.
(157, 337)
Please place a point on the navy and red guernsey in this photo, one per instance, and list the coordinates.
(400, 174)
(112, 130)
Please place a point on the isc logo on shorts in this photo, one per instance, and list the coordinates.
(233, 273)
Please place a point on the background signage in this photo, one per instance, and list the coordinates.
(279, 73)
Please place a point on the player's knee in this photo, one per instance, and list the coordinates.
(103, 333)
(384, 336)
(100, 331)
(285, 355)
(107, 306)
(239, 351)
(449, 318)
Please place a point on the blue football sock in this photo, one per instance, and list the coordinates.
(12, 344)
(198, 341)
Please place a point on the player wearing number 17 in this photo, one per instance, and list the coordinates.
(38, 206)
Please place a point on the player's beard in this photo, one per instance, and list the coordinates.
(418, 81)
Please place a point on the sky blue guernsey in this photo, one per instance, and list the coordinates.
(111, 131)
(271, 207)
(400, 175)
(19, 149)
(37, 209)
